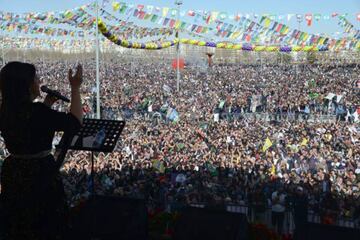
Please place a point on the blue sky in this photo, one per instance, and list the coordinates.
(279, 7)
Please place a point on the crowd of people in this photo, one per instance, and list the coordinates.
(199, 145)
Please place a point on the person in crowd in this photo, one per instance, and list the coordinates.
(278, 207)
(300, 205)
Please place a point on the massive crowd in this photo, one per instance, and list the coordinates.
(208, 144)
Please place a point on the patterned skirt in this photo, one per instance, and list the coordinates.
(33, 199)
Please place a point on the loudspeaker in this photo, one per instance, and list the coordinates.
(111, 218)
(316, 231)
(214, 224)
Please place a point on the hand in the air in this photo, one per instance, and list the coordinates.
(76, 80)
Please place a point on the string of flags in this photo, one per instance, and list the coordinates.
(266, 32)
(245, 31)
(212, 16)
(166, 44)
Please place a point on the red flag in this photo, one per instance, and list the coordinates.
(308, 18)
(208, 19)
(172, 23)
(141, 15)
(334, 14)
(181, 63)
(279, 27)
(191, 13)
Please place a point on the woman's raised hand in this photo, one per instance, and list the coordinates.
(76, 80)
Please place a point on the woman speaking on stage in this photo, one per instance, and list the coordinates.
(32, 193)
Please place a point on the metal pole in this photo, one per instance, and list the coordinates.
(97, 64)
(178, 3)
(3, 50)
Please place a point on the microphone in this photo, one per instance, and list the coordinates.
(54, 93)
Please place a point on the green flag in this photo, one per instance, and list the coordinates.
(212, 169)
(154, 18)
(123, 9)
(222, 103)
(313, 95)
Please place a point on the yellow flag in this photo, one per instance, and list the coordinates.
(267, 22)
(235, 35)
(158, 166)
(304, 142)
(286, 30)
(165, 11)
(267, 144)
(306, 36)
(115, 6)
(273, 170)
(177, 24)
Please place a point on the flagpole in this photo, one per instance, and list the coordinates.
(178, 3)
(97, 64)
(3, 49)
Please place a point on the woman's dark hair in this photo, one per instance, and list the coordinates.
(16, 79)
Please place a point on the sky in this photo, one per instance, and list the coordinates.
(279, 7)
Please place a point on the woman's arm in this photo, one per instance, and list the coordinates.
(75, 83)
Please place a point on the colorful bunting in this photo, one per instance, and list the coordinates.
(156, 46)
